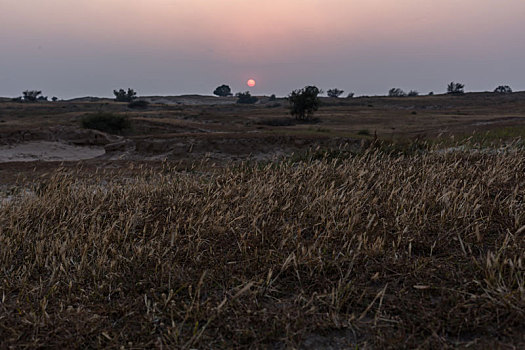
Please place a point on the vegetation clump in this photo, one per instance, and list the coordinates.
(106, 122)
(246, 98)
(396, 92)
(304, 102)
(334, 93)
(455, 88)
(223, 91)
(125, 96)
(503, 89)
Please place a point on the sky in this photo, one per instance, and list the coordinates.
(72, 48)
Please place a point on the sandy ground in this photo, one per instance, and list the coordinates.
(47, 151)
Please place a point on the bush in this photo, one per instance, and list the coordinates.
(503, 89)
(350, 95)
(246, 98)
(106, 122)
(272, 98)
(31, 95)
(139, 104)
(54, 99)
(396, 92)
(413, 93)
(223, 91)
(304, 102)
(123, 96)
(455, 88)
(334, 93)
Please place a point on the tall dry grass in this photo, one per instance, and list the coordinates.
(407, 251)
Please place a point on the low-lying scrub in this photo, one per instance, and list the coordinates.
(106, 122)
(425, 250)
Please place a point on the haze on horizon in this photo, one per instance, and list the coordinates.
(167, 47)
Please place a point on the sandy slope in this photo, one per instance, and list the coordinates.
(47, 151)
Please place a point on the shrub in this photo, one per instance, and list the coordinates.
(106, 122)
(54, 99)
(246, 98)
(413, 93)
(455, 88)
(139, 104)
(304, 102)
(31, 95)
(334, 93)
(123, 96)
(223, 91)
(350, 95)
(503, 89)
(431, 93)
(396, 92)
(272, 98)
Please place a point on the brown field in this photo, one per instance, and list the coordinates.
(387, 223)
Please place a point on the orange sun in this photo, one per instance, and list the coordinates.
(250, 83)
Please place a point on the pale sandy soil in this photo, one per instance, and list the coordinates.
(47, 151)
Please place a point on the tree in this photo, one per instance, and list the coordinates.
(503, 89)
(272, 98)
(396, 92)
(335, 93)
(304, 102)
(413, 93)
(350, 95)
(31, 95)
(246, 98)
(123, 96)
(54, 99)
(455, 88)
(223, 91)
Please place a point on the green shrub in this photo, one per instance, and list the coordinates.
(106, 122)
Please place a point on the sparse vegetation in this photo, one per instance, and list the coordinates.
(396, 92)
(304, 102)
(412, 251)
(138, 104)
(350, 95)
(413, 93)
(455, 88)
(246, 98)
(503, 89)
(223, 91)
(334, 93)
(106, 122)
(54, 99)
(125, 96)
(272, 98)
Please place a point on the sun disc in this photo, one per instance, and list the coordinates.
(250, 83)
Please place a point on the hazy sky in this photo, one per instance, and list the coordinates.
(71, 48)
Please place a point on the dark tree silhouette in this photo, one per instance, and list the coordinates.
(54, 99)
(304, 102)
(335, 93)
(455, 88)
(223, 91)
(413, 93)
(396, 92)
(31, 95)
(350, 95)
(503, 89)
(123, 96)
(272, 98)
(246, 98)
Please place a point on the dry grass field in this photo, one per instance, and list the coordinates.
(189, 233)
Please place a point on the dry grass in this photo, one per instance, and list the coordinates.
(401, 251)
